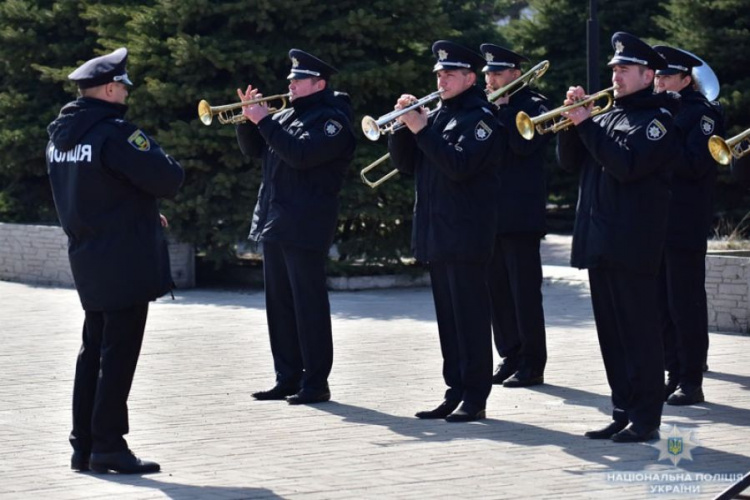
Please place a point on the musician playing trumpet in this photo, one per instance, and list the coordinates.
(683, 304)
(624, 158)
(305, 151)
(453, 154)
(515, 281)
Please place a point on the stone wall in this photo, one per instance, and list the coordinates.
(39, 254)
(727, 285)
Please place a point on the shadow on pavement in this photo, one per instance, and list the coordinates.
(178, 491)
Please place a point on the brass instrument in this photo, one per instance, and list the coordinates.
(388, 123)
(371, 166)
(522, 81)
(548, 122)
(724, 149)
(227, 114)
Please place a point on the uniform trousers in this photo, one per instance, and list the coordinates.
(299, 315)
(626, 314)
(462, 307)
(684, 315)
(104, 374)
(515, 285)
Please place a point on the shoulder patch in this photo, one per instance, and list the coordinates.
(332, 128)
(139, 141)
(707, 125)
(655, 130)
(482, 131)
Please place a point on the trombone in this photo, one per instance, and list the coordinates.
(519, 83)
(371, 166)
(227, 114)
(547, 122)
(388, 123)
(724, 149)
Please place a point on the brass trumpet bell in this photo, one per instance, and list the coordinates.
(388, 123)
(723, 150)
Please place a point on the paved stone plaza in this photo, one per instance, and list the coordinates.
(207, 350)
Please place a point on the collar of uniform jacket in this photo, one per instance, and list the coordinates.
(302, 104)
(670, 101)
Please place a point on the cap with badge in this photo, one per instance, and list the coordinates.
(306, 65)
(678, 61)
(451, 55)
(499, 58)
(630, 49)
(101, 70)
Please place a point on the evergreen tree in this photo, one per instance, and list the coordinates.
(35, 36)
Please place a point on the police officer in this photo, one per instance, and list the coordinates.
(684, 314)
(306, 150)
(516, 267)
(454, 155)
(106, 176)
(624, 158)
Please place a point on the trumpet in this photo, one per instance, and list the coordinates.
(724, 149)
(388, 123)
(519, 83)
(547, 122)
(228, 114)
(371, 166)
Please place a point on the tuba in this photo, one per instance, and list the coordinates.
(227, 114)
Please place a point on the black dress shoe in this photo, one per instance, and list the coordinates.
(504, 371)
(685, 395)
(467, 413)
(630, 435)
(79, 461)
(123, 462)
(609, 431)
(309, 396)
(521, 379)
(442, 411)
(670, 387)
(278, 392)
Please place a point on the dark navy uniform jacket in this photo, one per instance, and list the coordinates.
(523, 196)
(625, 156)
(106, 176)
(455, 159)
(306, 150)
(691, 207)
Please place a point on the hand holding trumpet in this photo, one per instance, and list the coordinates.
(416, 119)
(578, 114)
(254, 112)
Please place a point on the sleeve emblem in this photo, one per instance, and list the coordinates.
(655, 130)
(482, 131)
(139, 141)
(707, 125)
(332, 128)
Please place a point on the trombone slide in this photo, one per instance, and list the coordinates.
(373, 165)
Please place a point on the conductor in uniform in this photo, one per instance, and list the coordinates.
(305, 151)
(107, 176)
(624, 157)
(515, 281)
(684, 308)
(454, 155)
